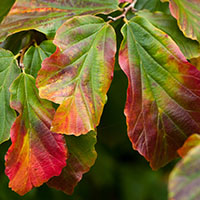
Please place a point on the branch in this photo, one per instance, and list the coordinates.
(126, 9)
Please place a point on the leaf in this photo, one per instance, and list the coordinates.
(196, 62)
(36, 154)
(48, 15)
(35, 55)
(187, 13)
(191, 142)
(79, 73)
(123, 1)
(168, 24)
(16, 42)
(153, 5)
(184, 180)
(8, 72)
(5, 7)
(82, 156)
(163, 103)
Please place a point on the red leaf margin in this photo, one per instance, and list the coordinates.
(36, 154)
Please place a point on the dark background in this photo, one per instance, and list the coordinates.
(119, 173)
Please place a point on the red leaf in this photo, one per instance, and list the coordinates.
(78, 75)
(48, 15)
(163, 97)
(82, 156)
(187, 13)
(36, 154)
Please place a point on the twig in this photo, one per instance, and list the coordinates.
(22, 52)
(126, 9)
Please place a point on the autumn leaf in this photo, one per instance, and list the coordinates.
(190, 143)
(8, 72)
(82, 156)
(196, 62)
(163, 97)
(46, 16)
(35, 55)
(36, 154)
(187, 13)
(190, 48)
(185, 177)
(79, 73)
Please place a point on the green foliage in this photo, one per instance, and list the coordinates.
(35, 55)
(5, 7)
(8, 72)
(57, 62)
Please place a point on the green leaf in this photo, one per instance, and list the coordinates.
(79, 73)
(187, 13)
(82, 156)
(168, 24)
(5, 7)
(152, 5)
(8, 72)
(35, 55)
(184, 180)
(36, 153)
(163, 97)
(47, 16)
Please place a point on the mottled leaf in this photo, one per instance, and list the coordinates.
(184, 180)
(82, 156)
(8, 72)
(35, 55)
(47, 15)
(187, 13)
(190, 48)
(192, 141)
(163, 97)
(36, 154)
(79, 73)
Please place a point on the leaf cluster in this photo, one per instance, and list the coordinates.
(57, 62)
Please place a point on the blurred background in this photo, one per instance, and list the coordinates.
(119, 173)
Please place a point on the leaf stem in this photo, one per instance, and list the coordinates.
(125, 11)
(17, 56)
(22, 52)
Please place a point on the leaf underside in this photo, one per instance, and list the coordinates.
(79, 73)
(163, 97)
(36, 154)
(47, 15)
(82, 156)
(8, 72)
